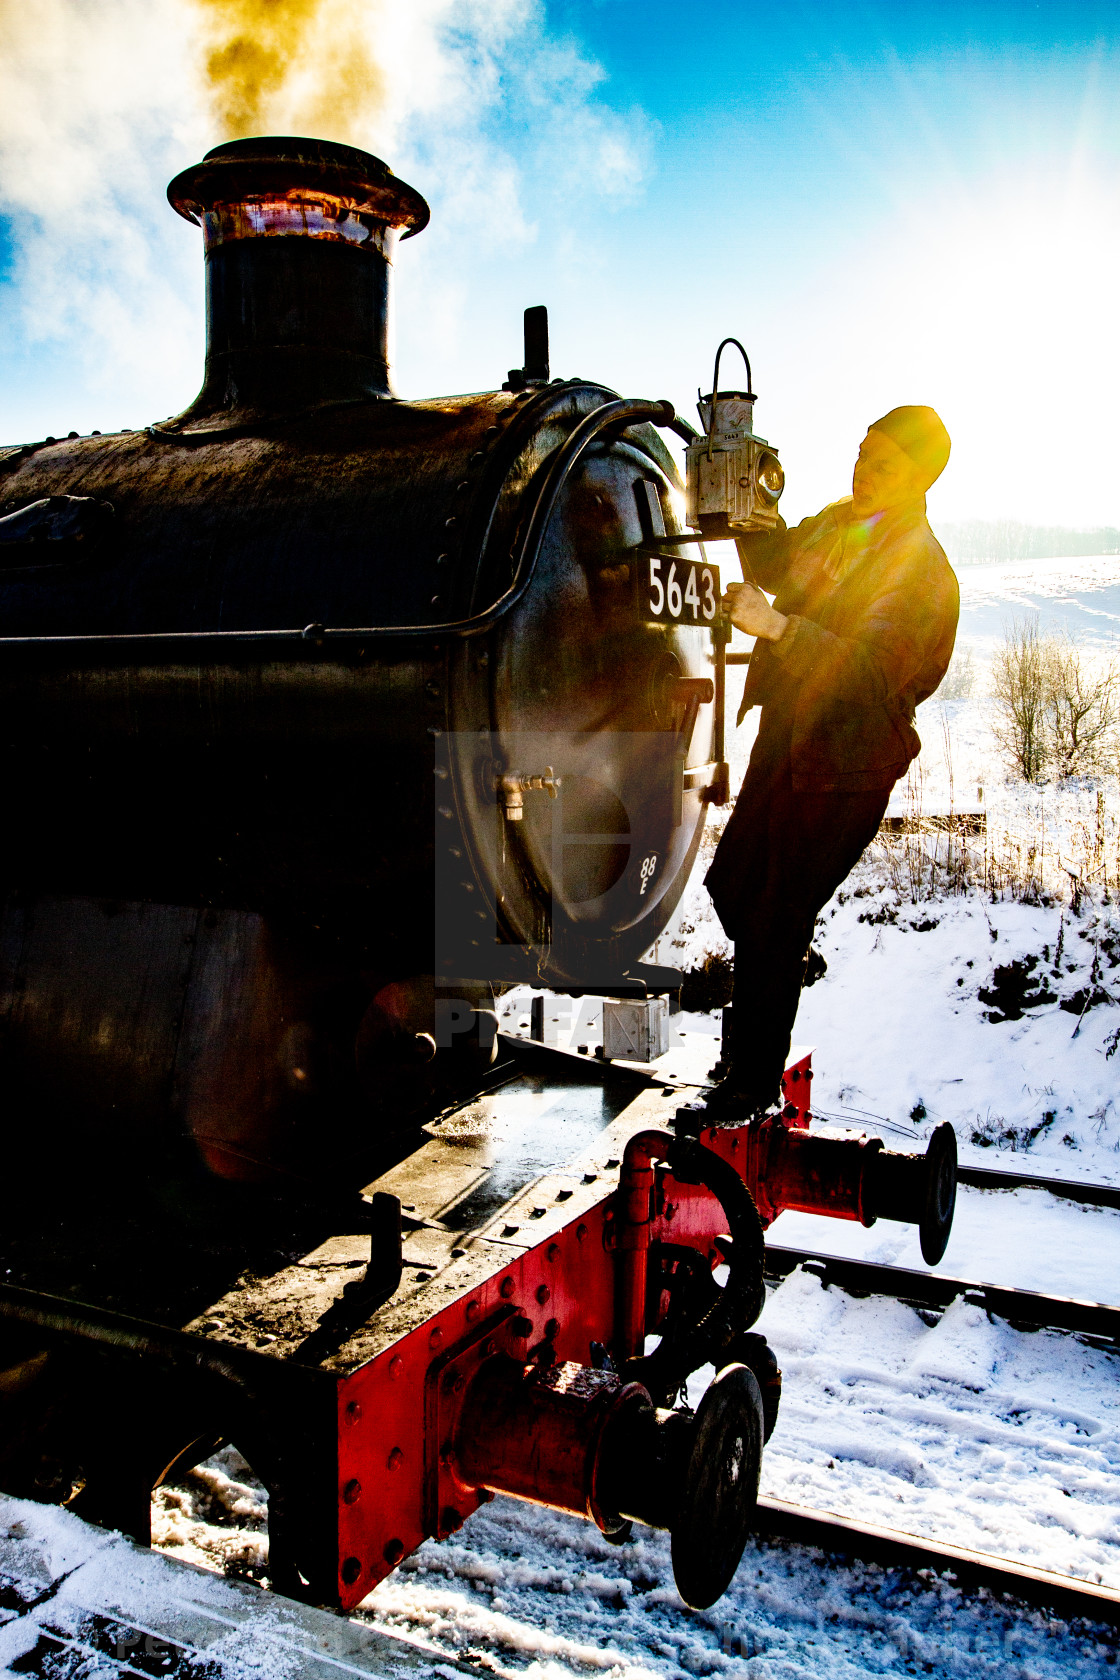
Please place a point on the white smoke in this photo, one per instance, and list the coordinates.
(475, 102)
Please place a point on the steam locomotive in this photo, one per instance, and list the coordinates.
(328, 717)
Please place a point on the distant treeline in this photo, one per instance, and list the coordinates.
(1006, 539)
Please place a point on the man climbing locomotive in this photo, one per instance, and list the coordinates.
(860, 632)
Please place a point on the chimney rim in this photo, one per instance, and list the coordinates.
(282, 166)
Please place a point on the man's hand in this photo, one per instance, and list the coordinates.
(750, 611)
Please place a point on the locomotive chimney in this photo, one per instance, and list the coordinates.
(298, 238)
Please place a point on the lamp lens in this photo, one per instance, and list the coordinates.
(769, 476)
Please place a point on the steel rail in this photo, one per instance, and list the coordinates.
(1063, 1595)
(991, 1178)
(931, 1290)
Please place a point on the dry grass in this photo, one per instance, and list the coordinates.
(1039, 844)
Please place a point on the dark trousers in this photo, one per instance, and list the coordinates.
(781, 858)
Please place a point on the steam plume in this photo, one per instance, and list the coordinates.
(102, 101)
(303, 66)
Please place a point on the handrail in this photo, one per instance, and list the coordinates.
(623, 413)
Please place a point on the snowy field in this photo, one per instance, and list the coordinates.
(1000, 1017)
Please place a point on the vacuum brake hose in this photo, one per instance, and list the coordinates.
(728, 1311)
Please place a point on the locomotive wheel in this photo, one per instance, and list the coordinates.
(720, 1489)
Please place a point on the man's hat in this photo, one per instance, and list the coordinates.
(918, 432)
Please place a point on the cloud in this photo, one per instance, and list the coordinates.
(476, 102)
(93, 120)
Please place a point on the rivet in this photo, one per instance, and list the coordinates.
(352, 1492)
(543, 1293)
(552, 1251)
(395, 1459)
(450, 1519)
(451, 523)
(521, 1328)
(581, 1232)
(394, 1551)
(351, 1570)
(487, 1347)
(552, 1329)
(353, 1411)
(507, 1288)
(442, 559)
(396, 1369)
(473, 1310)
(436, 1338)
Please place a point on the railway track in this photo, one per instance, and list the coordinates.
(1091, 1321)
(989, 1178)
(931, 1291)
(1060, 1595)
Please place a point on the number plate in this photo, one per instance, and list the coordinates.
(672, 591)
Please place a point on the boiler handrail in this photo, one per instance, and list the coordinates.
(623, 413)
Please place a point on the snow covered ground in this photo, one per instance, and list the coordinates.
(521, 1590)
(963, 1430)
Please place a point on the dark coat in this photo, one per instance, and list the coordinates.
(873, 617)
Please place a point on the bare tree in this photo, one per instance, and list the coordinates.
(1081, 709)
(1020, 688)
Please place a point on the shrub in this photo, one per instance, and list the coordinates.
(1019, 685)
(1080, 710)
(1055, 709)
(710, 985)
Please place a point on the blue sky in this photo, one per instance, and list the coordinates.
(886, 203)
